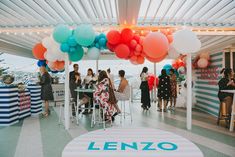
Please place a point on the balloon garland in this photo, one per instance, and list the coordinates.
(125, 44)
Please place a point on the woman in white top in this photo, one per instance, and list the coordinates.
(145, 96)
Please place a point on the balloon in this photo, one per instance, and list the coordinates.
(113, 37)
(110, 46)
(61, 33)
(140, 60)
(133, 43)
(136, 38)
(71, 41)
(46, 42)
(205, 55)
(38, 51)
(58, 65)
(141, 40)
(170, 38)
(134, 62)
(102, 42)
(167, 66)
(72, 49)
(84, 35)
(50, 56)
(64, 47)
(41, 63)
(126, 35)
(202, 63)
(93, 53)
(181, 70)
(102, 35)
(97, 45)
(186, 41)
(138, 48)
(180, 63)
(137, 53)
(77, 55)
(131, 53)
(155, 60)
(122, 51)
(155, 45)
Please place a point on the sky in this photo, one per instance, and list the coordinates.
(16, 63)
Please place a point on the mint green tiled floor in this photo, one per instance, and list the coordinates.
(55, 137)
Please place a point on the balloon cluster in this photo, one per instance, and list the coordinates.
(127, 45)
(202, 60)
(167, 67)
(151, 79)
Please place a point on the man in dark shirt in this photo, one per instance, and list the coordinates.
(74, 82)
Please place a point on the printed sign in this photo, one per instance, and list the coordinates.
(131, 142)
(58, 92)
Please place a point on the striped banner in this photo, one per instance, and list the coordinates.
(36, 102)
(206, 85)
(9, 109)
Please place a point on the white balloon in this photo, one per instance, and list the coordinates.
(172, 53)
(46, 42)
(93, 53)
(186, 41)
(50, 56)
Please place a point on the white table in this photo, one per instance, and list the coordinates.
(131, 142)
(233, 108)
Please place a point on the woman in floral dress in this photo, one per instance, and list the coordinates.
(101, 95)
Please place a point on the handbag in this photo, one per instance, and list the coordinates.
(112, 98)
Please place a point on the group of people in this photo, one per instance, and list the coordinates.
(167, 90)
(105, 94)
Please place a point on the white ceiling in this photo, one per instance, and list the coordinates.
(26, 22)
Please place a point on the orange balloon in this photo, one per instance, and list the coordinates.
(155, 60)
(140, 60)
(38, 51)
(59, 65)
(170, 38)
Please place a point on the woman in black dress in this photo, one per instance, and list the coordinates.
(164, 89)
(226, 83)
(46, 89)
(145, 97)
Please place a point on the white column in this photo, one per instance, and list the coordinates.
(155, 85)
(66, 90)
(189, 92)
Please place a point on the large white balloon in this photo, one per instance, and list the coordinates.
(46, 42)
(93, 53)
(172, 53)
(186, 41)
(50, 56)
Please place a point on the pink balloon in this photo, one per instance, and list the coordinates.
(155, 60)
(133, 43)
(140, 60)
(122, 51)
(202, 63)
(138, 48)
(155, 45)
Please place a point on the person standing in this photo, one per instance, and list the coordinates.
(173, 83)
(164, 89)
(226, 83)
(46, 89)
(145, 96)
(74, 82)
(111, 77)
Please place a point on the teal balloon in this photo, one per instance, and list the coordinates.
(167, 66)
(97, 38)
(72, 49)
(102, 35)
(71, 41)
(77, 54)
(97, 45)
(84, 35)
(102, 42)
(61, 33)
(64, 47)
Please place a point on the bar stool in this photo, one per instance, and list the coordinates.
(101, 116)
(73, 103)
(123, 98)
(221, 115)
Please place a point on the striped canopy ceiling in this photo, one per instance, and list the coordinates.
(26, 22)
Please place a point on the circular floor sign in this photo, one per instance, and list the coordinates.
(131, 142)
